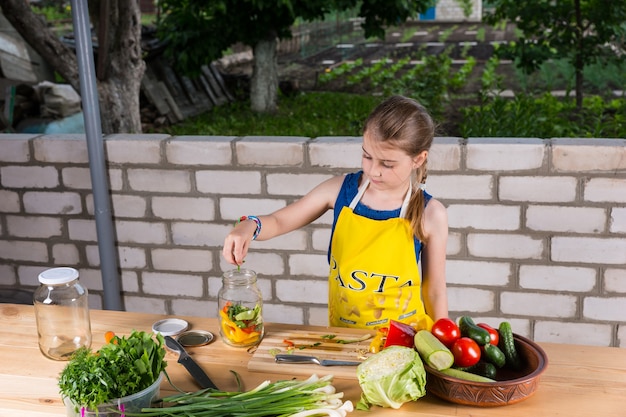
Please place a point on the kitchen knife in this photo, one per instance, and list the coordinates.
(288, 358)
(187, 361)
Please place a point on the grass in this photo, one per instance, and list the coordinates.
(305, 114)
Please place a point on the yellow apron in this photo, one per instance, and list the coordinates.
(374, 275)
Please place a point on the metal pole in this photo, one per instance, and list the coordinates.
(95, 149)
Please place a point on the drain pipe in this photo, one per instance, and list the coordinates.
(95, 149)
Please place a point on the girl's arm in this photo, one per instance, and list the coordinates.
(434, 260)
(289, 218)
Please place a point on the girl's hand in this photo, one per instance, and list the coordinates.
(238, 241)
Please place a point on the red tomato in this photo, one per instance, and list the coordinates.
(400, 334)
(466, 352)
(446, 331)
(494, 336)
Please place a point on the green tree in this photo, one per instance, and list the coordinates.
(120, 67)
(197, 32)
(581, 31)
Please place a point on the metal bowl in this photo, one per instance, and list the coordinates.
(510, 386)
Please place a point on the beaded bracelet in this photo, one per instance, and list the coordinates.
(254, 219)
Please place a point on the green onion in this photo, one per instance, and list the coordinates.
(312, 397)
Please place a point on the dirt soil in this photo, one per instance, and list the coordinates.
(301, 65)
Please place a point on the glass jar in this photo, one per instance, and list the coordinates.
(240, 305)
(62, 313)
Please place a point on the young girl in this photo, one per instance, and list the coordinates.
(384, 223)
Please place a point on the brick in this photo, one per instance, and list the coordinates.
(68, 148)
(29, 275)
(538, 189)
(82, 230)
(183, 208)
(318, 316)
(478, 273)
(269, 264)
(7, 274)
(489, 217)
(573, 333)
(14, 148)
(460, 187)
(505, 154)
(229, 182)
(538, 305)
(29, 177)
(513, 246)
(588, 155)
(615, 280)
(188, 260)
(234, 208)
(621, 336)
(33, 226)
(65, 254)
(604, 308)
(293, 184)
(596, 250)
(618, 220)
(48, 202)
(336, 152)
(605, 190)
(9, 201)
(292, 241)
(126, 206)
(130, 282)
(91, 279)
(171, 284)
(303, 291)
(140, 232)
(159, 180)
(454, 244)
(18, 250)
(196, 308)
(129, 257)
(271, 150)
(308, 264)
(470, 299)
(145, 305)
(557, 278)
(444, 154)
(124, 148)
(200, 150)
(566, 219)
(280, 313)
(76, 177)
(199, 234)
(320, 238)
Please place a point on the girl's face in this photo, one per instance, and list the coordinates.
(388, 167)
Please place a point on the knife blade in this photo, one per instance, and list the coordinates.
(288, 358)
(187, 361)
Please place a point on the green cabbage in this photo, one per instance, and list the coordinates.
(391, 377)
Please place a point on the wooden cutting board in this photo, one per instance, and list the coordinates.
(310, 342)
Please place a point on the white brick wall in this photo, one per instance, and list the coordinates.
(537, 227)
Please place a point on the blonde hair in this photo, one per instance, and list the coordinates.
(406, 124)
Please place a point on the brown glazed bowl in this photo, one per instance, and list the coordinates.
(510, 386)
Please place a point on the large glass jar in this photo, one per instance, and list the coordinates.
(240, 306)
(62, 313)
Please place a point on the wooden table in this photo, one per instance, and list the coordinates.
(581, 381)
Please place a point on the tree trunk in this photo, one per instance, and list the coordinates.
(579, 63)
(119, 90)
(264, 83)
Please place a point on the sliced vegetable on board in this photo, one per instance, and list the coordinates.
(432, 351)
(391, 377)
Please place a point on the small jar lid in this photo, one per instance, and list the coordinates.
(194, 338)
(170, 327)
(55, 276)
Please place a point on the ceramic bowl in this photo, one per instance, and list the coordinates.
(510, 386)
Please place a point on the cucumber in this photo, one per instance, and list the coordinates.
(482, 368)
(468, 376)
(470, 329)
(507, 346)
(432, 351)
(494, 355)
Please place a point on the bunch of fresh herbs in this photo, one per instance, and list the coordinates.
(122, 367)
